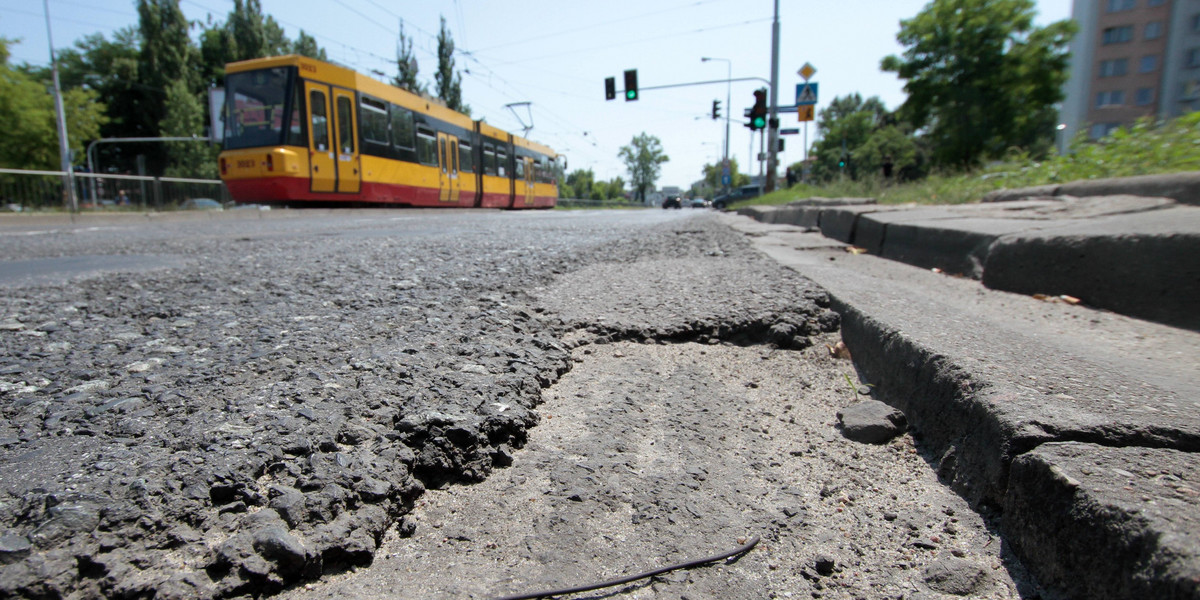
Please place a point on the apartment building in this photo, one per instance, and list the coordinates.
(1131, 59)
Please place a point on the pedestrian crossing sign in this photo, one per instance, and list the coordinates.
(806, 94)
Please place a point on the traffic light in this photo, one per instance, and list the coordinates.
(758, 114)
(716, 109)
(631, 89)
(842, 162)
(610, 88)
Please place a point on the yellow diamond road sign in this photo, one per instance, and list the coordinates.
(807, 71)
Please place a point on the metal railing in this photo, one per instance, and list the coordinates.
(23, 190)
(583, 202)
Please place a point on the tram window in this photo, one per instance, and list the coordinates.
(295, 135)
(502, 161)
(489, 159)
(402, 127)
(466, 162)
(320, 120)
(254, 105)
(520, 168)
(443, 158)
(373, 121)
(345, 114)
(426, 147)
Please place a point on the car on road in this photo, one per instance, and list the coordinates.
(700, 203)
(201, 204)
(672, 202)
(745, 192)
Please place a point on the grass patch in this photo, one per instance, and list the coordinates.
(1145, 148)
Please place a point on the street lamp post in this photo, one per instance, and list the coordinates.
(728, 107)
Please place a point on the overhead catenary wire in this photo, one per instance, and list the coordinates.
(740, 550)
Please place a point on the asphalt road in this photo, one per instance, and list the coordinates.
(445, 404)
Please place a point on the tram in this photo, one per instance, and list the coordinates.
(300, 131)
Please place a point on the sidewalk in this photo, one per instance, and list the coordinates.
(1130, 254)
(1079, 426)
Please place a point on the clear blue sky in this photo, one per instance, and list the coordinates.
(555, 54)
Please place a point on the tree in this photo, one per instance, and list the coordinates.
(185, 117)
(579, 183)
(167, 56)
(890, 145)
(306, 45)
(845, 125)
(406, 65)
(110, 69)
(30, 139)
(616, 188)
(449, 83)
(644, 158)
(981, 77)
(246, 34)
(255, 35)
(712, 177)
(844, 106)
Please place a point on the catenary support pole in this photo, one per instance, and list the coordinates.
(773, 114)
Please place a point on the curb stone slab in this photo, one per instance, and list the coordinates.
(1141, 505)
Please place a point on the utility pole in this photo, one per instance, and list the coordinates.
(64, 147)
(773, 118)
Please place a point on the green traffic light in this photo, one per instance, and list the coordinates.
(630, 95)
(760, 122)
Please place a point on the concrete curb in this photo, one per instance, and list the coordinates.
(1148, 274)
(1140, 264)
(1073, 524)
(1093, 467)
(1067, 500)
(1183, 188)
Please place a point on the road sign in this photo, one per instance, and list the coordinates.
(806, 94)
(788, 131)
(807, 71)
(807, 113)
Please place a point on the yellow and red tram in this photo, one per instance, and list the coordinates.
(302, 131)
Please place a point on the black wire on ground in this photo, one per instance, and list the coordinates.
(623, 580)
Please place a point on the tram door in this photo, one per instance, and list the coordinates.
(528, 180)
(449, 186)
(349, 179)
(321, 158)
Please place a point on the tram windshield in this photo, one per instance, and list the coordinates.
(257, 105)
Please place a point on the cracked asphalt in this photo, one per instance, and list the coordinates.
(445, 404)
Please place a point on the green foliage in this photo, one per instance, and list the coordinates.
(185, 116)
(891, 145)
(1143, 149)
(865, 136)
(449, 83)
(110, 68)
(643, 157)
(306, 45)
(30, 138)
(582, 184)
(167, 55)
(406, 65)
(254, 35)
(981, 78)
(712, 178)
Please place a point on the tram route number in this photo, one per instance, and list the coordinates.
(246, 164)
